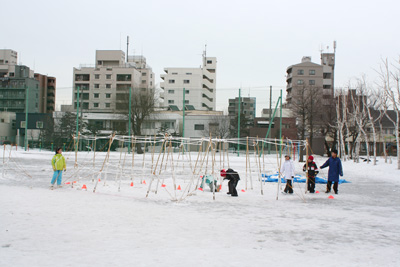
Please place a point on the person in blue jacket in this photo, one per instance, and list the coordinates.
(335, 169)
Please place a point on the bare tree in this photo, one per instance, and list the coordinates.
(390, 83)
(219, 126)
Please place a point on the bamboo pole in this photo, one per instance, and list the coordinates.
(155, 169)
(133, 157)
(94, 156)
(247, 156)
(306, 166)
(104, 162)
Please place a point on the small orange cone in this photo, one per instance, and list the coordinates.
(331, 197)
(163, 185)
(68, 183)
(179, 187)
(131, 183)
(99, 180)
(144, 182)
(243, 190)
(220, 186)
(316, 192)
(74, 182)
(201, 189)
(84, 187)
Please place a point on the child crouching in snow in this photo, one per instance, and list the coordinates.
(58, 163)
(287, 171)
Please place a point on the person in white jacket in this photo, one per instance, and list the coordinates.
(287, 171)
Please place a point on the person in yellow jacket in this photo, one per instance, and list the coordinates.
(58, 163)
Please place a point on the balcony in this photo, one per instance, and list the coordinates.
(162, 85)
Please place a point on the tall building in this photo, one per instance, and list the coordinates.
(199, 85)
(311, 75)
(17, 84)
(47, 93)
(247, 108)
(102, 84)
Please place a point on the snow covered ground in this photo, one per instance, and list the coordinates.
(119, 226)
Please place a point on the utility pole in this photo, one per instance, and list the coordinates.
(238, 145)
(77, 116)
(129, 119)
(280, 127)
(183, 112)
(270, 114)
(26, 116)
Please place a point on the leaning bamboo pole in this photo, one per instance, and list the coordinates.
(155, 169)
(104, 162)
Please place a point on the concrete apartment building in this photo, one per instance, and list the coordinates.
(199, 85)
(308, 74)
(17, 83)
(248, 107)
(109, 79)
(47, 93)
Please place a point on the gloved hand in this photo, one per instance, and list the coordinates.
(292, 177)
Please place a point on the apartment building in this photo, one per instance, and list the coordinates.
(199, 85)
(109, 79)
(247, 107)
(47, 93)
(311, 75)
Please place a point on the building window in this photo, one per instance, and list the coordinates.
(186, 91)
(97, 76)
(300, 82)
(171, 91)
(186, 81)
(300, 72)
(174, 73)
(171, 101)
(327, 86)
(95, 95)
(124, 77)
(95, 105)
(209, 61)
(108, 95)
(108, 86)
(11, 74)
(186, 101)
(311, 82)
(108, 105)
(108, 76)
(199, 127)
(171, 81)
(144, 73)
(96, 86)
(188, 73)
(39, 124)
(143, 81)
(312, 72)
(327, 75)
(151, 83)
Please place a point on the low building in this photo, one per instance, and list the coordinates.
(7, 127)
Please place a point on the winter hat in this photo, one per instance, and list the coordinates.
(223, 173)
(311, 157)
(287, 156)
(334, 151)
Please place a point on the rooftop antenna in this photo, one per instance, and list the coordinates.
(334, 47)
(205, 54)
(127, 47)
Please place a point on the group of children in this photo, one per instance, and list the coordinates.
(287, 170)
(311, 169)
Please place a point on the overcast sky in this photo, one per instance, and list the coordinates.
(254, 41)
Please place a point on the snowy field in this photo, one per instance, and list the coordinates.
(119, 226)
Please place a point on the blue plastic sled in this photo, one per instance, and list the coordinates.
(273, 178)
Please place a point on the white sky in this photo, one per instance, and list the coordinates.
(254, 41)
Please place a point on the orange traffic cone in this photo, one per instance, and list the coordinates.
(201, 189)
(99, 180)
(68, 183)
(316, 192)
(131, 183)
(163, 185)
(220, 186)
(74, 182)
(84, 187)
(144, 182)
(331, 197)
(243, 190)
(179, 187)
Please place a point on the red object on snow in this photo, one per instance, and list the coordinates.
(99, 180)
(163, 185)
(144, 182)
(84, 187)
(311, 157)
(179, 187)
(331, 197)
(243, 190)
(201, 189)
(131, 183)
(316, 192)
(68, 183)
